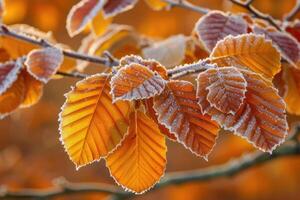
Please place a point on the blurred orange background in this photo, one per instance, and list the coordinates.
(31, 155)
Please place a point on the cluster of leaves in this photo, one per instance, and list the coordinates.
(125, 115)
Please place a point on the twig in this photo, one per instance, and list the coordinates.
(72, 74)
(225, 170)
(248, 5)
(4, 30)
(187, 5)
(293, 12)
(186, 69)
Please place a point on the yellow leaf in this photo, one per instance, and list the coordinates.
(178, 110)
(141, 159)
(99, 24)
(292, 94)
(91, 125)
(248, 50)
(156, 4)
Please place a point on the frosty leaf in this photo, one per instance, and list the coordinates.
(91, 126)
(248, 50)
(150, 64)
(216, 25)
(288, 46)
(81, 14)
(292, 94)
(8, 74)
(225, 89)
(261, 119)
(169, 52)
(156, 4)
(149, 108)
(140, 161)
(114, 7)
(12, 98)
(44, 63)
(134, 82)
(178, 110)
(294, 29)
(33, 89)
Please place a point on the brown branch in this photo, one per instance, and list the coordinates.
(72, 74)
(293, 12)
(248, 6)
(187, 5)
(4, 30)
(228, 169)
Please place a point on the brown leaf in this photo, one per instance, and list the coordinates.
(44, 63)
(8, 74)
(178, 110)
(134, 82)
(114, 7)
(261, 119)
(216, 25)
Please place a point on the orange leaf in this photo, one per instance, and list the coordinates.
(91, 126)
(8, 74)
(44, 63)
(216, 25)
(81, 14)
(292, 94)
(33, 89)
(114, 7)
(248, 50)
(134, 82)
(226, 88)
(178, 110)
(261, 119)
(12, 98)
(140, 161)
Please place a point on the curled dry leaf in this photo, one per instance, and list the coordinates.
(114, 7)
(216, 25)
(91, 126)
(287, 45)
(156, 4)
(178, 110)
(33, 89)
(8, 74)
(225, 89)
(169, 52)
(291, 78)
(81, 15)
(12, 98)
(140, 161)
(261, 119)
(134, 82)
(44, 63)
(248, 51)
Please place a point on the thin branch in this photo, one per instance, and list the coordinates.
(187, 5)
(72, 74)
(248, 5)
(225, 170)
(293, 12)
(4, 30)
